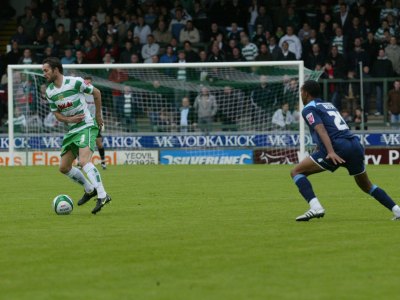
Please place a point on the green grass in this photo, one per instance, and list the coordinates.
(197, 232)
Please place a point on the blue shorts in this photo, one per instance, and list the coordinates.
(350, 150)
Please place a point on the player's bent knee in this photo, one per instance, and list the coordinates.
(64, 169)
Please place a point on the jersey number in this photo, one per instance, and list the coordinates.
(338, 120)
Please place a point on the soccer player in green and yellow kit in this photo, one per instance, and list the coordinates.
(67, 101)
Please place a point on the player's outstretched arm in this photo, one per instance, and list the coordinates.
(97, 103)
(323, 134)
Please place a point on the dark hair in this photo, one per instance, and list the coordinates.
(54, 62)
(312, 88)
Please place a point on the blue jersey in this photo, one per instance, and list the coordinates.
(320, 112)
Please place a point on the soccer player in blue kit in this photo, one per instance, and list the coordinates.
(336, 146)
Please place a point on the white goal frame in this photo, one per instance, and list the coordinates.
(299, 64)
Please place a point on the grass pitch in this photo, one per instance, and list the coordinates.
(197, 232)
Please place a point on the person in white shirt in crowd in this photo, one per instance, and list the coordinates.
(293, 42)
(282, 117)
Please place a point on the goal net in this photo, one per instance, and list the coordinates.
(205, 113)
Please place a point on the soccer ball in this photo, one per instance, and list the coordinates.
(63, 205)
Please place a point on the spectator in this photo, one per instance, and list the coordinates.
(339, 40)
(142, 30)
(309, 42)
(371, 47)
(274, 48)
(190, 54)
(330, 72)
(286, 54)
(282, 118)
(249, 50)
(262, 96)
(68, 58)
(20, 36)
(292, 19)
(129, 110)
(200, 17)
(150, 49)
(120, 27)
(357, 55)
(343, 18)
(259, 36)
(253, 14)
(206, 108)
(13, 56)
(80, 57)
(236, 55)
(186, 116)
(388, 9)
(41, 37)
(168, 56)
(110, 46)
(323, 36)
(126, 54)
(233, 32)
(189, 33)
(46, 22)
(380, 32)
(177, 24)
(293, 42)
(235, 11)
(264, 54)
(216, 55)
(338, 62)
(393, 53)
(356, 30)
(367, 89)
(29, 23)
(118, 100)
(213, 33)
(357, 119)
(394, 104)
(64, 20)
(61, 37)
(381, 68)
(91, 53)
(161, 34)
(264, 19)
(305, 32)
(27, 58)
(79, 32)
(315, 58)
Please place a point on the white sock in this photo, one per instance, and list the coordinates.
(396, 210)
(77, 176)
(94, 176)
(314, 204)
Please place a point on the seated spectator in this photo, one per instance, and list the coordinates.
(189, 33)
(41, 37)
(286, 54)
(13, 56)
(282, 118)
(264, 54)
(233, 32)
(190, 54)
(259, 36)
(213, 32)
(79, 32)
(61, 37)
(216, 55)
(150, 49)
(46, 22)
(64, 20)
(68, 57)
(264, 19)
(126, 54)
(27, 58)
(80, 57)
(315, 58)
(293, 42)
(92, 54)
(274, 48)
(110, 46)
(177, 24)
(161, 34)
(249, 50)
(236, 55)
(357, 119)
(380, 32)
(168, 56)
(141, 30)
(29, 23)
(20, 36)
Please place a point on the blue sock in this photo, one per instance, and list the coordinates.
(382, 197)
(304, 186)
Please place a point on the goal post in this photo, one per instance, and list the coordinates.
(143, 107)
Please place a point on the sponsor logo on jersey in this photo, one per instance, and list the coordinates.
(64, 105)
(310, 118)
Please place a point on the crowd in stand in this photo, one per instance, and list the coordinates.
(332, 36)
